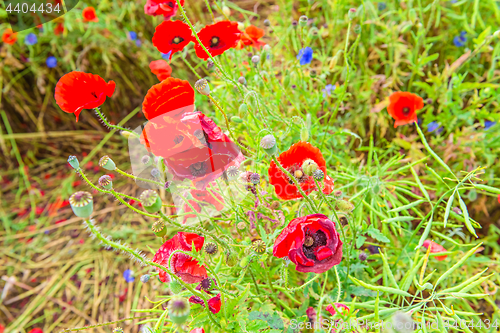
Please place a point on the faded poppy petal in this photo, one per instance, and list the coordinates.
(435, 248)
(161, 69)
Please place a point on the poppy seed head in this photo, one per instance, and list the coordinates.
(148, 197)
(210, 248)
(80, 199)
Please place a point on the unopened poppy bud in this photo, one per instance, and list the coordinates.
(178, 310)
(267, 23)
(266, 48)
(106, 182)
(244, 262)
(259, 246)
(256, 59)
(268, 144)
(318, 175)
(304, 134)
(314, 32)
(337, 193)
(303, 21)
(226, 11)
(357, 29)
(363, 256)
(241, 225)
(175, 287)
(73, 161)
(159, 228)
(146, 160)
(145, 278)
(210, 248)
(232, 173)
(150, 201)
(231, 258)
(82, 204)
(295, 24)
(309, 166)
(202, 87)
(275, 205)
(107, 163)
(254, 178)
(243, 108)
(344, 206)
(236, 119)
(241, 26)
(242, 80)
(351, 14)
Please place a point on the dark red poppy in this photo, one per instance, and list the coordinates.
(183, 266)
(403, 107)
(251, 36)
(292, 161)
(217, 38)
(59, 29)
(89, 15)
(76, 91)
(342, 308)
(169, 95)
(311, 242)
(161, 69)
(167, 8)
(214, 303)
(9, 37)
(172, 36)
(435, 248)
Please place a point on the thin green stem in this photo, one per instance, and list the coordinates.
(126, 174)
(106, 122)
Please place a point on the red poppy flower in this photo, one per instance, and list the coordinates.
(59, 29)
(251, 37)
(292, 160)
(214, 303)
(183, 266)
(161, 69)
(9, 37)
(167, 8)
(435, 248)
(76, 91)
(172, 36)
(169, 95)
(403, 107)
(89, 15)
(196, 330)
(217, 38)
(203, 198)
(36, 330)
(311, 242)
(342, 308)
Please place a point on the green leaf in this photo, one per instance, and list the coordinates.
(375, 233)
(465, 212)
(448, 208)
(360, 240)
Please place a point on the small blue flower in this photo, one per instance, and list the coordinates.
(460, 40)
(30, 39)
(305, 56)
(432, 126)
(128, 275)
(488, 124)
(138, 42)
(381, 6)
(328, 90)
(166, 56)
(132, 35)
(51, 62)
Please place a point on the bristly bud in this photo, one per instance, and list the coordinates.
(146, 160)
(267, 23)
(236, 119)
(259, 246)
(344, 206)
(73, 161)
(254, 178)
(125, 134)
(175, 287)
(309, 166)
(178, 310)
(107, 163)
(118, 330)
(159, 228)
(363, 256)
(337, 193)
(150, 201)
(231, 258)
(232, 172)
(275, 205)
(145, 278)
(210, 64)
(268, 143)
(241, 26)
(106, 182)
(243, 108)
(82, 204)
(318, 175)
(242, 80)
(256, 59)
(210, 248)
(241, 226)
(304, 134)
(313, 73)
(351, 14)
(207, 284)
(202, 87)
(303, 21)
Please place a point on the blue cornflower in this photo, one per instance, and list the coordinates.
(132, 35)
(488, 124)
(305, 55)
(328, 90)
(128, 275)
(166, 56)
(381, 6)
(30, 39)
(460, 40)
(432, 126)
(51, 62)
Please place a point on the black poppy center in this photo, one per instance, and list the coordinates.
(94, 94)
(311, 242)
(198, 169)
(406, 110)
(214, 41)
(177, 40)
(178, 139)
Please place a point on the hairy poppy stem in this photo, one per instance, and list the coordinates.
(105, 121)
(126, 174)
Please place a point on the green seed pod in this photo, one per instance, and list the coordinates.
(202, 87)
(243, 108)
(150, 201)
(73, 161)
(231, 258)
(106, 182)
(244, 262)
(178, 310)
(159, 228)
(318, 175)
(82, 204)
(303, 21)
(268, 144)
(344, 206)
(175, 287)
(309, 166)
(107, 163)
(314, 33)
(236, 119)
(304, 134)
(351, 14)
